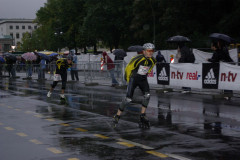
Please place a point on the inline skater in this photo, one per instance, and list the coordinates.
(136, 75)
(61, 71)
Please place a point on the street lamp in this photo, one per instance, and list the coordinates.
(13, 48)
(154, 23)
(58, 34)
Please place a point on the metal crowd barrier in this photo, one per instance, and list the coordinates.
(89, 72)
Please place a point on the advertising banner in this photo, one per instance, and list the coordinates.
(186, 75)
(229, 77)
(152, 76)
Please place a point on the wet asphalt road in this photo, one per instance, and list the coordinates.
(183, 126)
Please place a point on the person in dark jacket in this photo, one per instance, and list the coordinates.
(160, 58)
(221, 54)
(187, 55)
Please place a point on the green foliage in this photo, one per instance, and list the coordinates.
(121, 23)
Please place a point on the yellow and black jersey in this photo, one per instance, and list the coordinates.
(139, 65)
(62, 64)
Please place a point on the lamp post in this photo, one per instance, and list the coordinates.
(58, 34)
(154, 22)
(13, 48)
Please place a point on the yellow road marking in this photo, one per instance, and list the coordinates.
(64, 124)
(35, 141)
(22, 134)
(54, 150)
(50, 119)
(17, 109)
(28, 112)
(38, 115)
(80, 129)
(73, 159)
(157, 154)
(9, 128)
(1, 123)
(9, 107)
(126, 144)
(101, 136)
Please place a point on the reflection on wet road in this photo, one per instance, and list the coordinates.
(183, 126)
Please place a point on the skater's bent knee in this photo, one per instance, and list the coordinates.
(146, 99)
(124, 103)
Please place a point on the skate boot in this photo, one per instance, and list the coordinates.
(144, 122)
(115, 120)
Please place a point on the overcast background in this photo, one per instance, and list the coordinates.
(20, 8)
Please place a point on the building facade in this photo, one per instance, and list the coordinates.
(15, 28)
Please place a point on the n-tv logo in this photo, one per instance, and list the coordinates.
(210, 78)
(163, 75)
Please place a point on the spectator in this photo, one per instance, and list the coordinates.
(186, 56)
(220, 53)
(41, 72)
(110, 67)
(74, 71)
(160, 58)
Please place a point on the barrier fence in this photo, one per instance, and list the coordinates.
(89, 72)
(202, 75)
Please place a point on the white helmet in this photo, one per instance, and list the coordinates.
(148, 46)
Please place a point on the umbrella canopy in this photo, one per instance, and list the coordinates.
(223, 37)
(10, 59)
(46, 52)
(7, 53)
(44, 56)
(2, 60)
(53, 54)
(136, 48)
(29, 56)
(178, 39)
(119, 53)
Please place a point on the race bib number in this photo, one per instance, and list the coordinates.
(143, 70)
(56, 77)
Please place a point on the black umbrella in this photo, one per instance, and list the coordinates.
(10, 58)
(178, 39)
(119, 53)
(136, 48)
(223, 37)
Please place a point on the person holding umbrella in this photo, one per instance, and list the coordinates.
(136, 74)
(184, 55)
(62, 66)
(119, 60)
(10, 61)
(219, 46)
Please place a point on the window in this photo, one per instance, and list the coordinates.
(17, 27)
(23, 34)
(11, 27)
(35, 27)
(23, 27)
(11, 34)
(29, 27)
(17, 36)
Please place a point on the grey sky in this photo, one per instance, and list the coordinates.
(20, 8)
